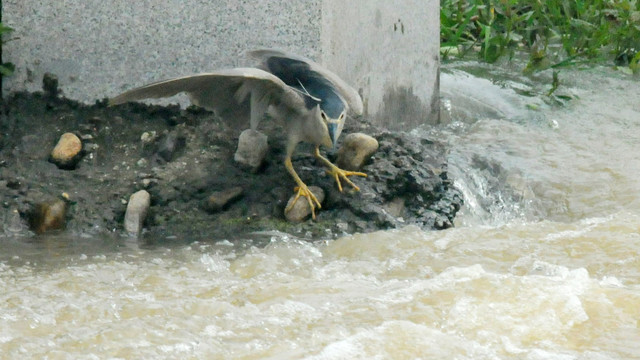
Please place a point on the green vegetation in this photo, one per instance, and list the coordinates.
(555, 33)
(6, 68)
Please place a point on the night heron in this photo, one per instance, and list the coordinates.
(311, 101)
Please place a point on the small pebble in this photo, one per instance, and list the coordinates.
(342, 226)
(66, 153)
(148, 182)
(356, 150)
(90, 147)
(301, 210)
(252, 149)
(136, 212)
(148, 137)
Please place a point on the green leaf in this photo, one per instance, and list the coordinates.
(554, 83)
(5, 29)
(7, 69)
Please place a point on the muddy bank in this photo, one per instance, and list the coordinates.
(182, 157)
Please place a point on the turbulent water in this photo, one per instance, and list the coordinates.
(544, 261)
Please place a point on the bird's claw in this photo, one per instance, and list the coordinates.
(311, 198)
(338, 173)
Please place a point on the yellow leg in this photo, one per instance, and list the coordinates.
(338, 173)
(302, 190)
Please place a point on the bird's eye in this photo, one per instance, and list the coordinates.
(324, 116)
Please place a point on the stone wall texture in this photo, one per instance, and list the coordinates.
(388, 50)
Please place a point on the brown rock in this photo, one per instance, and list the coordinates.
(66, 153)
(220, 199)
(301, 210)
(49, 215)
(356, 150)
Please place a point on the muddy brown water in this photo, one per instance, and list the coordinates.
(544, 261)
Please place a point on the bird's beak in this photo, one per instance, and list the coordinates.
(333, 134)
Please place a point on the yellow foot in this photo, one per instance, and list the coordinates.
(338, 173)
(303, 190)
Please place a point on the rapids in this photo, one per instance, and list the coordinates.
(544, 261)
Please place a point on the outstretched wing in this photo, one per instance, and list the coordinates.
(281, 63)
(234, 94)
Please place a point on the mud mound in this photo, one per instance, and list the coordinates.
(181, 157)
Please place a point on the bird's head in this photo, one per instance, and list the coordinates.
(328, 107)
(331, 124)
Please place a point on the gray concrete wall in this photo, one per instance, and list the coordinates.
(388, 50)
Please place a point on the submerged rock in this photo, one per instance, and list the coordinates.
(252, 149)
(220, 199)
(67, 151)
(136, 212)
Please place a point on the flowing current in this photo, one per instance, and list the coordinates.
(544, 261)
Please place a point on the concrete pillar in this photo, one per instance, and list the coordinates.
(386, 49)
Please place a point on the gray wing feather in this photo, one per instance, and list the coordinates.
(234, 94)
(349, 94)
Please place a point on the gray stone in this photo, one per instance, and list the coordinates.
(14, 222)
(220, 199)
(169, 145)
(356, 150)
(395, 207)
(252, 149)
(136, 212)
(67, 151)
(301, 209)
